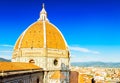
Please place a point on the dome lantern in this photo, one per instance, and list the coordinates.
(43, 14)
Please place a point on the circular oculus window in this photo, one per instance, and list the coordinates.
(55, 62)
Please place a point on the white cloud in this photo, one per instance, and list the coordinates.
(6, 56)
(6, 51)
(73, 56)
(6, 45)
(85, 50)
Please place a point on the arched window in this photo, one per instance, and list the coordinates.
(31, 61)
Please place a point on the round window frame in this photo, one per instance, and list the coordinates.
(55, 62)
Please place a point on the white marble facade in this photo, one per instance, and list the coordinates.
(46, 62)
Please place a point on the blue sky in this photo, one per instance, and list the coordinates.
(90, 27)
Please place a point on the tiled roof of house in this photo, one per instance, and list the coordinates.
(13, 66)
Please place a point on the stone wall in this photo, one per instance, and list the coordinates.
(22, 77)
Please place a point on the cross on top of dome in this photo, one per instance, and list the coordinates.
(43, 5)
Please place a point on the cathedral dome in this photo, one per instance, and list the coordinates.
(43, 44)
(41, 34)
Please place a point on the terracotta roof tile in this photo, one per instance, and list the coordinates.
(12, 66)
(57, 75)
(34, 37)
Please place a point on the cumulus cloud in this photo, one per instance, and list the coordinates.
(85, 50)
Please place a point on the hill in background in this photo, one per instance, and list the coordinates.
(4, 60)
(97, 64)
